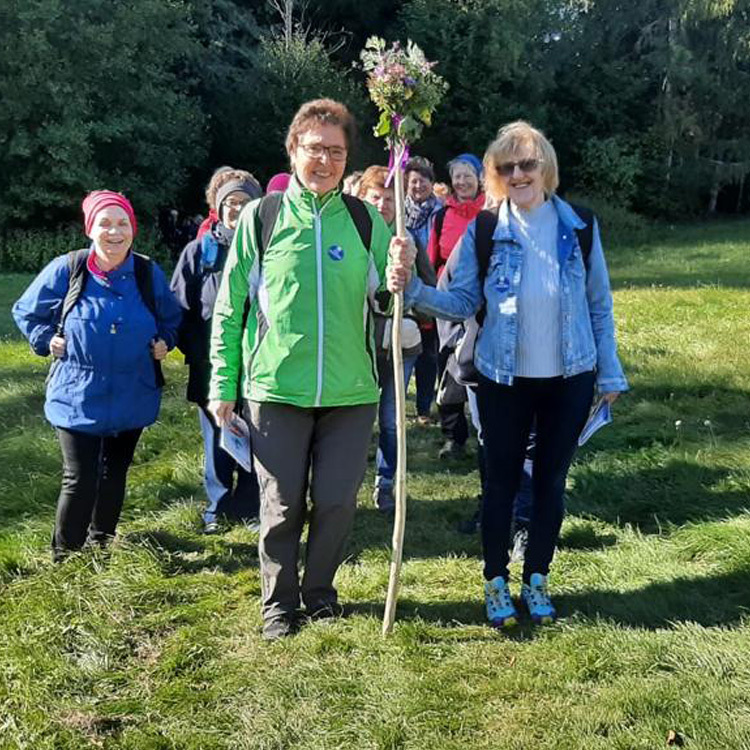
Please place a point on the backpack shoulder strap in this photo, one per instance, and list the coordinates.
(77, 273)
(585, 235)
(485, 228)
(361, 218)
(265, 222)
(144, 280)
(438, 222)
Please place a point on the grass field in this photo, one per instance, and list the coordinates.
(158, 645)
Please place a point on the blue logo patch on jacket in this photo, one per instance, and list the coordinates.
(336, 252)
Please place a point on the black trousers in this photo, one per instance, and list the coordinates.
(560, 407)
(93, 487)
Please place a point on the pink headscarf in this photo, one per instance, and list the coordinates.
(96, 200)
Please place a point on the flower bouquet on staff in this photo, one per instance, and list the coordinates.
(406, 90)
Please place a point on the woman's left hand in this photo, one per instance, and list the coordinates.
(159, 349)
(611, 397)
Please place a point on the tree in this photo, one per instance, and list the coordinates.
(666, 79)
(490, 53)
(92, 97)
(271, 76)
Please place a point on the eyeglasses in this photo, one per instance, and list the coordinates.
(525, 165)
(235, 203)
(316, 151)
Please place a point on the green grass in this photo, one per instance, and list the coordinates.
(158, 646)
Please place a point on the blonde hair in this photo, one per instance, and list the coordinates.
(513, 139)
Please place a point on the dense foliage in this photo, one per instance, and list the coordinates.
(646, 102)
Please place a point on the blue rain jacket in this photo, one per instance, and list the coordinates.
(105, 383)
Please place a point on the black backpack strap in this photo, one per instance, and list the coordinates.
(485, 228)
(361, 218)
(77, 274)
(586, 234)
(438, 222)
(144, 280)
(437, 226)
(265, 222)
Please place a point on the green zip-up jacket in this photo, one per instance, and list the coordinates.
(308, 338)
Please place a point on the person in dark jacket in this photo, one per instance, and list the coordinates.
(422, 205)
(103, 388)
(195, 282)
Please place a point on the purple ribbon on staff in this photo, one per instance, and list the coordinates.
(396, 120)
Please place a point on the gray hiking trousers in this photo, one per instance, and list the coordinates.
(294, 448)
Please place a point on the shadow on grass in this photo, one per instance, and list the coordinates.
(660, 259)
(666, 415)
(585, 537)
(721, 600)
(178, 554)
(432, 529)
(649, 499)
(448, 615)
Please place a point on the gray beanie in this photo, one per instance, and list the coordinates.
(250, 188)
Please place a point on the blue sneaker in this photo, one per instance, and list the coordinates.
(534, 595)
(501, 612)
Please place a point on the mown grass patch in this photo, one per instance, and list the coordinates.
(157, 644)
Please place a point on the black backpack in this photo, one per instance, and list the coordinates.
(77, 275)
(486, 222)
(268, 212)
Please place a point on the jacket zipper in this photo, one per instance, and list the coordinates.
(317, 212)
(321, 320)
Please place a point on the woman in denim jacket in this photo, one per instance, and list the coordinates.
(548, 339)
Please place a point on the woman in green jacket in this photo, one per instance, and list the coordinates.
(304, 352)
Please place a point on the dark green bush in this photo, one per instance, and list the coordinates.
(29, 250)
(617, 223)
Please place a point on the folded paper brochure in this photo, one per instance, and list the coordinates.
(235, 440)
(600, 416)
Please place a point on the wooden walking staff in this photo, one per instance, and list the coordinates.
(406, 91)
(399, 521)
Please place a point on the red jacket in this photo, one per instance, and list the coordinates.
(457, 217)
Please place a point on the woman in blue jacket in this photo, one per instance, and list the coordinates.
(547, 340)
(104, 386)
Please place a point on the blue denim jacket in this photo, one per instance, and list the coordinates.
(588, 329)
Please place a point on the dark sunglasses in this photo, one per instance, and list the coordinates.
(525, 165)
